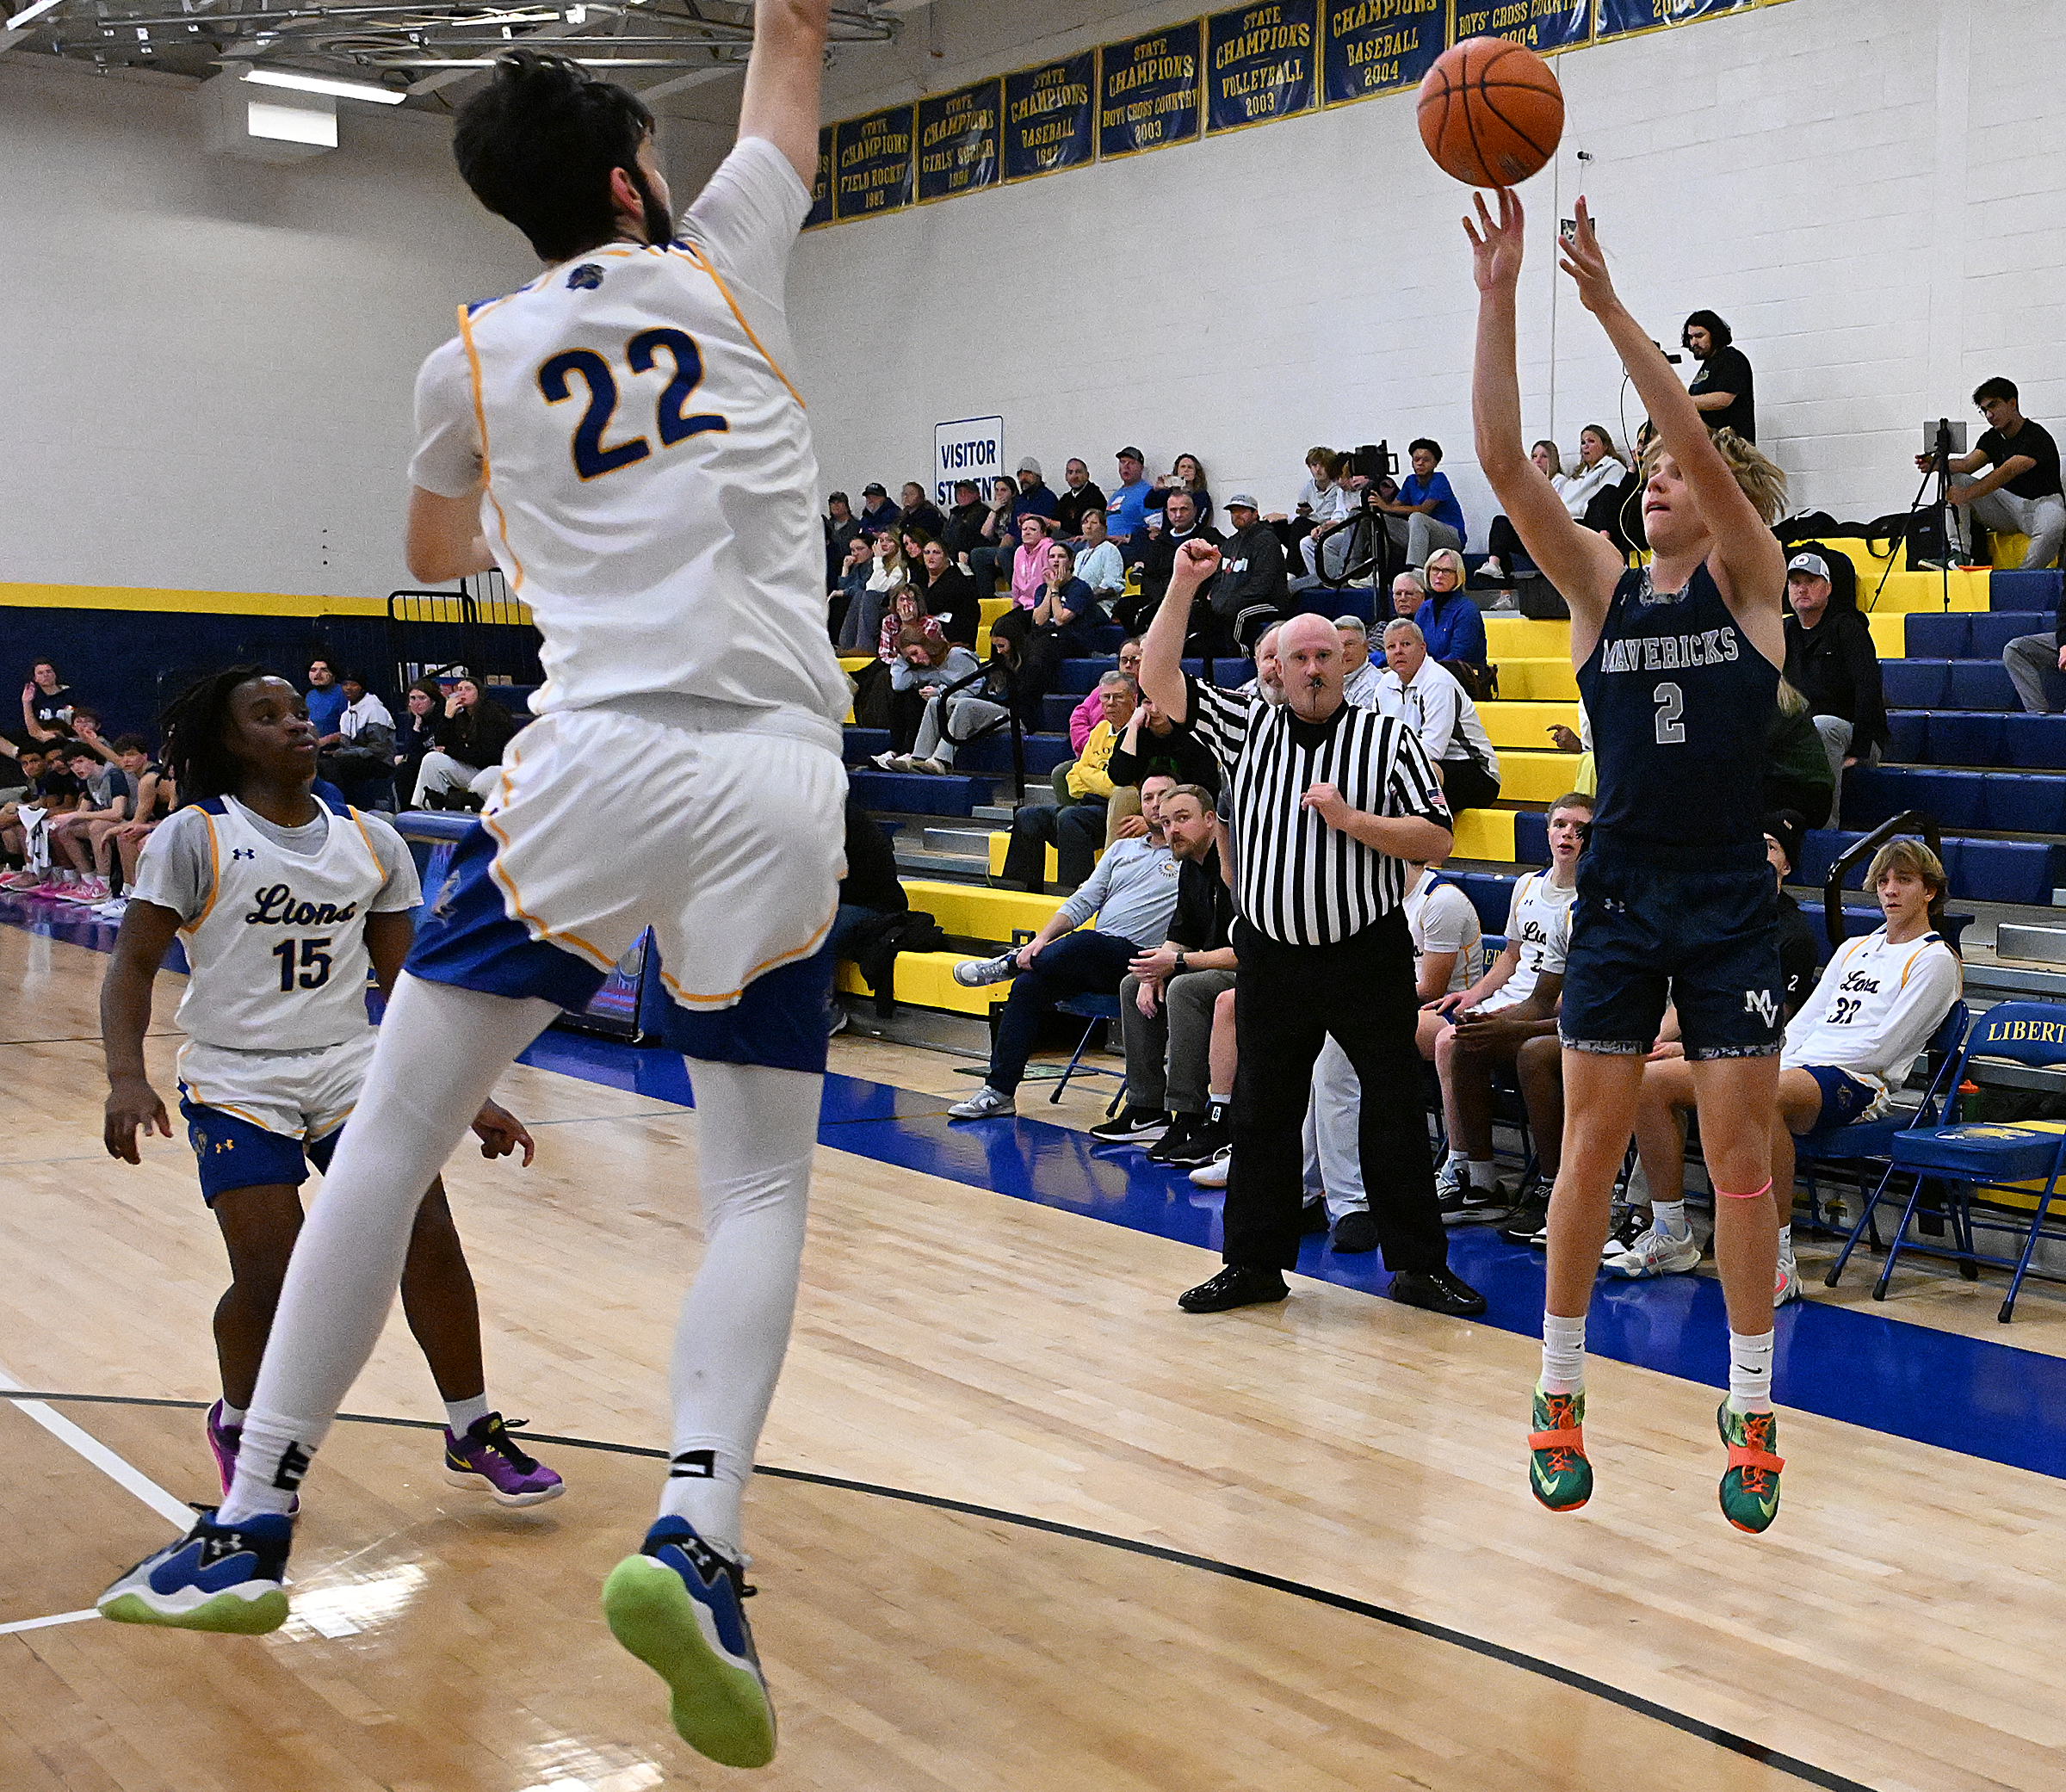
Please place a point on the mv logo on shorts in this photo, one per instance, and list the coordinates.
(1761, 1003)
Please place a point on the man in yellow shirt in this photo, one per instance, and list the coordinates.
(1075, 828)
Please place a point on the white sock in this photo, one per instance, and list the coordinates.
(440, 1053)
(231, 1419)
(1563, 1354)
(1786, 1259)
(462, 1416)
(1668, 1218)
(1483, 1172)
(756, 1129)
(1217, 1100)
(1750, 1372)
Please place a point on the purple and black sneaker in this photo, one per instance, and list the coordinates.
(487, 1460)
(225, 1441)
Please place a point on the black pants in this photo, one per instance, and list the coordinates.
(1287, 999)
(1074, 830)
(1083, 963)
(906, 710)
(1467, 785)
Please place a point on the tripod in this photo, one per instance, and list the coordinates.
(1940, 469)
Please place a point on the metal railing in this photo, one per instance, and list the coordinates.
(1909, 821)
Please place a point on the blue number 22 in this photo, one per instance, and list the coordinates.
(592, 459)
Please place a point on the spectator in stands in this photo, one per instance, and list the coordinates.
(472, 734)
(1847, 1052)
(1426, 695)
(869, 890)
(925, 665)
(1425, 515)
(1796, 765)
(1832, 661)
(848, 599)
(919, 512)
(1501, 541)
(906, 610)
(888, 573)
(1152, 743)
(992, 559)
(1080, 498)
(1090, 711)
(1181, 524)
(359, 756)
(913, 539)
(1167, 998)
(86, 728)
(417, 732)
(1035, 498)
(1362, 678)
(877, 513)
(1268, 682)
(2020, 496)
(1187, 473)
(14, 781)
(1133, 892)
(1800, 951)
(1126, 510)
(1514, 1001)
(840, 530)
(103, 802)
(45, 701)
(1721, 389)
(953, 717)
(325, 698)
(1409, 593)
(1075, 826)
(949, 594)
(1097, 562)
(1065, 610)
(2037, 667)
(1449, 618)
(1029, 563)
(1252, 590)
(963, 532)
(1324, 497)
(53, 792)
(29, 762)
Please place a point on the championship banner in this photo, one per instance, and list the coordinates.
(1050, 119)
(973, 448)
(1259, 62)
(1624, 18)
(1542, 25)
(958, 141)
(1381, 46)
(873, 159)
(1150, 90)
(821, 189)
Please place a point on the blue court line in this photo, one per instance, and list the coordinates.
(1981, 1399)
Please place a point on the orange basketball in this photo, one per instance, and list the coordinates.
(1491, 112)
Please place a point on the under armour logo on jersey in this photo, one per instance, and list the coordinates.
(294, 1464)
(584, 279)
(694, 1465)
(243, 852)
(441, 905)
(1760, 1002)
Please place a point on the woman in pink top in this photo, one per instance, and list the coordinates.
(1030, 564)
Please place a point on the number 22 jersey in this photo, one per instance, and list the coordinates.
(650, 483)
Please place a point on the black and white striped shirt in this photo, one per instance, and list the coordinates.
(1299, 881)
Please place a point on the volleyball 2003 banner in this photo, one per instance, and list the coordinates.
(1226, 71)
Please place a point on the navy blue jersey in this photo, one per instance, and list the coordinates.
(1678, 700)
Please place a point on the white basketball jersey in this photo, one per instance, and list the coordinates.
(277, 960)
(651, 486)
(1539, 923)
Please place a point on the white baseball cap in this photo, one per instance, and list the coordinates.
(1812, 563)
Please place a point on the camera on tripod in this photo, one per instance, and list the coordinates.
(1374, 462)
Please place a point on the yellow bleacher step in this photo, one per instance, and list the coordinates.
(1485, 834)
(926, 980)
(1534, 777)
(1906, 591)
(976, 912)
(992, 607)
(1000, 842)
(1526, 638)
(1517, 726)
(1538, 681)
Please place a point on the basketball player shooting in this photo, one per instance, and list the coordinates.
(620, 438)
(1678, 664)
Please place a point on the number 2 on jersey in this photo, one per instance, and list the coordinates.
(671, 420)
(309, 958)
(1671, 705)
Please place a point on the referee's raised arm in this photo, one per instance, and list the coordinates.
(1162, 651)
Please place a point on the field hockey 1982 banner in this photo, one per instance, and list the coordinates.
(1381, 46)
(1259, 62)
(872, 163)
(958, 141)
(1149, 90)
(1050, 117)
(1544, 26)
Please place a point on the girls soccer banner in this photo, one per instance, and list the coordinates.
(1259, 62)
(958, 141)
(1050, 119)
(1150, 90)
(1544, 26)
(1624, 18)
(821, 189)
(872, 160)
(1381, 46)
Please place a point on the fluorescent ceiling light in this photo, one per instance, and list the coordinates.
(35, 9)
(323, 83)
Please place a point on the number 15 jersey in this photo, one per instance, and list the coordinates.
(650, 484)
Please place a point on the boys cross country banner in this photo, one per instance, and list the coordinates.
(821, 189)
(1051, 117)
(958, 141)
(1381, 45)
(1260, 62)
(1149, 90)
(973, 448)
(1544, 26)
(1624, 18)
(872, 163)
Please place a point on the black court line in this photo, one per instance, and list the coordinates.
(1805, 1771)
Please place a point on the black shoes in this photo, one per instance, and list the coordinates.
(1355, 1232)
(1239, 1285)
(1134, 1125)
(1313, 1218)
(1195, 1139)
(1439, 1291)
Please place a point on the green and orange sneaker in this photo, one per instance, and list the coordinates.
(1750, 1488)
(1558, 1473)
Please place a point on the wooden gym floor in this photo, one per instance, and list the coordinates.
(1028, 1526)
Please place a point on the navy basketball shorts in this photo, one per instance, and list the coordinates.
(1644, 935)
(257, 1119)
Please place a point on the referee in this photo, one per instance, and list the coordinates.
(1329, 802)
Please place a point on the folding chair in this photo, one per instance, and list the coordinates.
(1869, 1141)
(1093, 1009)
(1964, 1160)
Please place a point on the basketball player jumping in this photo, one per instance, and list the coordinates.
(283, 898)
(620, 439)
(1678, 664)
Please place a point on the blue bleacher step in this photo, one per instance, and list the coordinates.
(1971, 635)
(2011, 590)
(2015, 871)
(1986, 738)
(989, 756)
(1947, 685)
(2002, 803)
(1078, 678)
(918, 793)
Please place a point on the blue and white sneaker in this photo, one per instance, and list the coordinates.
(675, 1605)
(218, 1576)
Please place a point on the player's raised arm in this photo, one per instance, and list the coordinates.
(1750, 565)
(783, 75)
(1580, 564)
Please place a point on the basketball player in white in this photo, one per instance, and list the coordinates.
(620, 439)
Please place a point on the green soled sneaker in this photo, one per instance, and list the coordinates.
(1750, 1488)
(676, 1606)
(1558, 1472)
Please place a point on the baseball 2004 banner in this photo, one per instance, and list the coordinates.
(1377, 47)
(1149, 90)
(1260, 63)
